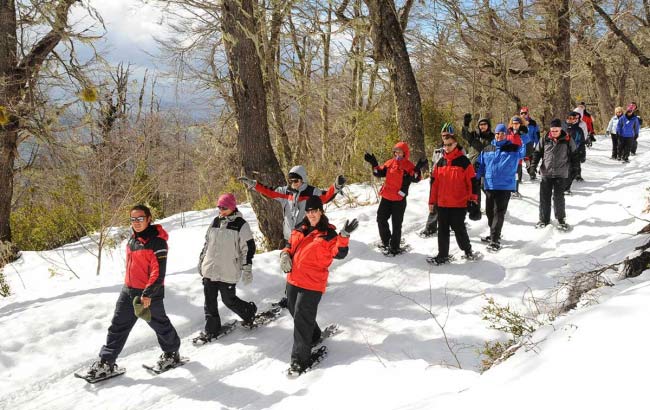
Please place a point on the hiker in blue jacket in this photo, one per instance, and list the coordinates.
(498, 163)
(628, 131)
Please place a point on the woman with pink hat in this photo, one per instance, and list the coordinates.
(226, 257)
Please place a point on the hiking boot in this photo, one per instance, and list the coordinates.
(297, 368)
(541, 224)
(579, 178)
(438, 260)
(169, 359)
(516, 195)
(249, 322)
(101, 368)
(486, 238)
(427, 233)
(470, 256)
(494, 246)
(204, 338)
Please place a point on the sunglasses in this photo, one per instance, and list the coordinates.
(223, 208)
(138, 218)
(311, 211)
(451, 144)
(293, 180)
(523, 113)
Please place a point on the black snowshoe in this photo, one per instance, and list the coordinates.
(204, 338)
(167, 361)
(440, 260)
(263, 318)
(100, 370)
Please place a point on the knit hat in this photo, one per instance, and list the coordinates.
(140, 311)
(500, 128)
(447, 128)
(574, 114)
(313, 202)
(556, 123)
(631, 108)
(227, 201)
(485, 121)
(515, 119)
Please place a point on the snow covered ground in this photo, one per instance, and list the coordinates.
(391, 353)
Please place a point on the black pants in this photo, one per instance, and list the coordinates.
(124, 319)
(635, 144)
(626, 147)
(551, 187)
(395, 211)
(573, 174)
(303, 306)
(211, 290)
(615, 145)
(453, 218)
(496, 205)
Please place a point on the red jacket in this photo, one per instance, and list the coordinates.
(146, 261)
(399, 175)
(452, 181)
(312, 252)
(590, 124)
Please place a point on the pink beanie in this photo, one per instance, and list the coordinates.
(227, 201)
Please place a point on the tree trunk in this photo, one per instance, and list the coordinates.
(605, 99)
(389, 46)
(14, 79)
(254, 144)
(325, 108)
(560, 65)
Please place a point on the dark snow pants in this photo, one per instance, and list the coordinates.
(551, 188)
(615, 146)
(393, 210)
(496, 205)
(124, 319)
(432, 221)
(303, 306)
(626, 147)
(211, 290)
(453, 218)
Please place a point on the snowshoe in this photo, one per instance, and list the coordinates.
(100, 370)
(541, 224)
(568, 193)
(204, 338)
(427, 233)
(282, 303)
(390, 252)
(329, 331)
(493, 246)
(486, 238)
(563, 226)
(317, 356)
(472, 256)
(263, 318)
(516, 195)
(440, 260)
(167, 361)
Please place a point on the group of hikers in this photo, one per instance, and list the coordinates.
(493, 163)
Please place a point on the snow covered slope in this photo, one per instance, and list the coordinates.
(391, 354)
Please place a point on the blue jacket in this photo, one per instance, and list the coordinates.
(498, 165)
(628, 127)
(533, 132)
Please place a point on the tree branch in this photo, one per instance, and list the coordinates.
(643, 60)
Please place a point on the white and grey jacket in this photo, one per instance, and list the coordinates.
(229, 245)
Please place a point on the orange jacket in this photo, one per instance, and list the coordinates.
(312, 252)
(399, 175)
(452, 181)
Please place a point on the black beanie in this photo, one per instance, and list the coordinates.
(313, 202)
(485, 121)
(556, 123)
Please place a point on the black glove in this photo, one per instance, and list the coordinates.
(370, 158)
(340, 181)
(349, 227)
(467, 119)
(532, 171)
(422, 164)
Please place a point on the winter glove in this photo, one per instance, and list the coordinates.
(370, 158)
(247, 274)
(349, 227)
(250, 183)
(285, 262)
(467, 119)
(422, 164)
(340, 181)
(532, 172)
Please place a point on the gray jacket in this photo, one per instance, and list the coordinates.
(293, 202)
(229, 245)
(555, 158)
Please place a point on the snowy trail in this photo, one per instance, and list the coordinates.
(57, 323)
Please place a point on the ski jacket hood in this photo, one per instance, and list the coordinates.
(300, 170)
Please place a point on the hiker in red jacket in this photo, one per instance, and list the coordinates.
(399, 172)
(453, 188)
